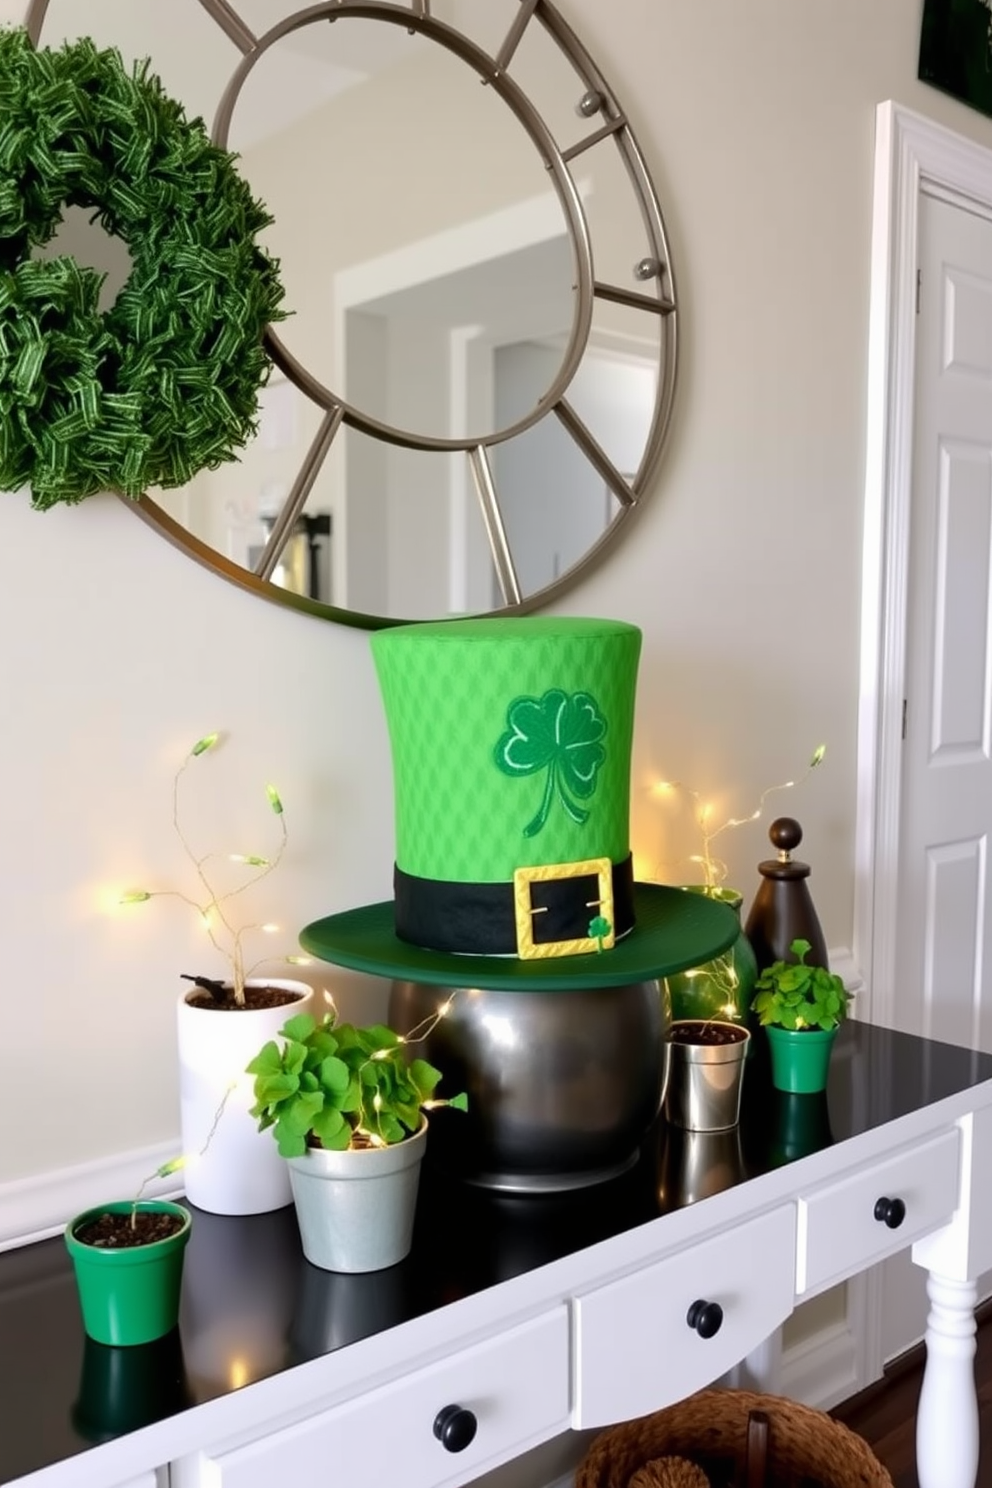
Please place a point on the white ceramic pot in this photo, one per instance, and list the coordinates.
(355, 1209)
(237, 1169)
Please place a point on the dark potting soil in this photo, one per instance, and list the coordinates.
(706, 1033)
(115, 1231)
(255, 998)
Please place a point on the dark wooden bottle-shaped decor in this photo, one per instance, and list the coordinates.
(783, 909)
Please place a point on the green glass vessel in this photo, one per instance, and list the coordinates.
(721, 988)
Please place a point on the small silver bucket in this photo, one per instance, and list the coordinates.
(704, 1083)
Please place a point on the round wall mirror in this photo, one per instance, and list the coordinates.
(475, 379)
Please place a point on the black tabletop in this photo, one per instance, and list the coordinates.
(252, 1305)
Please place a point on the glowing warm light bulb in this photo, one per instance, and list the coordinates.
(269, 929)
(134, 896)
(202, 745)
(274, 800)
(299, 961)
(167, 1169)
(237, 1373)
(252, 860)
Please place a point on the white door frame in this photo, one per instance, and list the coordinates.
(911, 153)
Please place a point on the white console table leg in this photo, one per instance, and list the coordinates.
(947, 1419)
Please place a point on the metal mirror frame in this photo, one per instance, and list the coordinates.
(653, 270)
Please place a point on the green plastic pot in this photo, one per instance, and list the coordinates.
(800, 1058)
(129, 1296)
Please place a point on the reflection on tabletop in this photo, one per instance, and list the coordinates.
(123, 1389)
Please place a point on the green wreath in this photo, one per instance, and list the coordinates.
(165, 383)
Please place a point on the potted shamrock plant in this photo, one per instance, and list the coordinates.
(801, 1007)
(346, 1106)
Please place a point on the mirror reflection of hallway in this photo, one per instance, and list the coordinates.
(430, 230)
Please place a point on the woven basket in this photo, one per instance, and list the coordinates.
(669, 1472)
(804, 1446)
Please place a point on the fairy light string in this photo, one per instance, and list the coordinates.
(418, 1034)
(177, 1164)
(721, 972)
(368, 1126)
(225, 935)
(715, 869)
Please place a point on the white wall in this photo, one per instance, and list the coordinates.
(743, 571)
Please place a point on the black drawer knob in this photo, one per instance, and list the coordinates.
(890, 1212)
(705, 1317)
(455, 1427)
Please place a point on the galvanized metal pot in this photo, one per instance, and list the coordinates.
(704, 1090)
(355, 1209)
(562, 1085)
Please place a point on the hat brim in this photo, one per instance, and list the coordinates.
(673, 931)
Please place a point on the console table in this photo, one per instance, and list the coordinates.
(532, 1314)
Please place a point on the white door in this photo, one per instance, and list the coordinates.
(943, 973)
(944, 986)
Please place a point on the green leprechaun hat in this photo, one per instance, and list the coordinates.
(511, 742)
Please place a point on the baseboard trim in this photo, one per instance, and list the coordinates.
(821, 1370)
(38, 1207)
(911, 1359)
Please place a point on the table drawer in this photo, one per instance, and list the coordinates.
(516, 1385)
(839, 1232)
(635, 1350)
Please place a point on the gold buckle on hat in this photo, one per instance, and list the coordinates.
(524, 909)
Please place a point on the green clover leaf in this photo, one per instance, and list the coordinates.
(561, 734)
(599, 929)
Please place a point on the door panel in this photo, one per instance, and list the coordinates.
(943, 981)
(959, 717)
